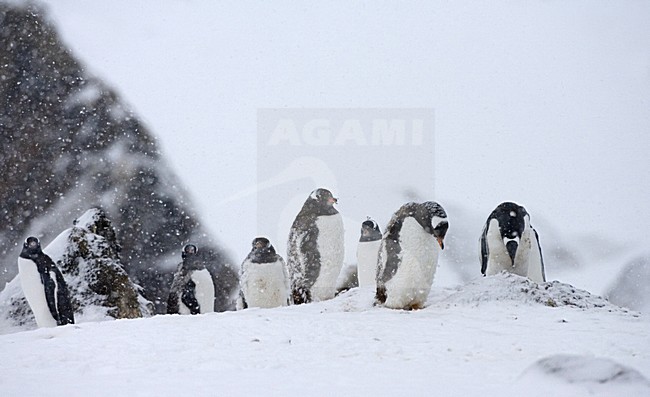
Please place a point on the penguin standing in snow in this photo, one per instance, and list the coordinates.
(367, 251)
(264, 280)
(315, 249)
(192, 290)
(44, 286)
(509, 243)
(408, 255)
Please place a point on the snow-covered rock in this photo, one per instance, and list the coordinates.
(69, 142)
(632, 287)
(575, 376)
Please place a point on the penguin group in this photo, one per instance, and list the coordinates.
(398, 264)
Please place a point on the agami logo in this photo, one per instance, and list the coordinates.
(371, 159)
(325, 132)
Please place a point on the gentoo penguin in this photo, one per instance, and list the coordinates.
(408, 255)
(510, 243)
(44, 286)
(264, 280)
(315, 249)
(367, 251)
(192, 290)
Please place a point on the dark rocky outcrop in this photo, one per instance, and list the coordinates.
(67, 144)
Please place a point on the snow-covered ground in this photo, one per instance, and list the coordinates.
(483, 339)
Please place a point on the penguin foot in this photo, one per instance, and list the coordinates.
(414, 306)
(380, 295)
(301, 296)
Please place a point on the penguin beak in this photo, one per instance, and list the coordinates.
(441, 242)
(332, 200)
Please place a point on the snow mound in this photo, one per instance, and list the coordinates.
(510, 287)
(630, 289)
(574, 375)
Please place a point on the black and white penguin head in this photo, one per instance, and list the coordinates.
(321, 201)
(31, 247)
(189, 250)
(323, 196)
(370, 231)
(438, 222)
(512, 220)
(262, 251)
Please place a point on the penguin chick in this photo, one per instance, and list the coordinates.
(367, 252)
(264, 279)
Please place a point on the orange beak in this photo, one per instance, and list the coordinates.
(441, 243)
(333, 200)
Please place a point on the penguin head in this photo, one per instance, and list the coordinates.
(512, 219)
(321, 202)
(189, 250)
(323, 196)
(262, 249)
(31, 247)
(438, 221)
(370, 231)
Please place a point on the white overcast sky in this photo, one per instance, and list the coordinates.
(546, 103)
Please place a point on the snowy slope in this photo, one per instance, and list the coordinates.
(483, 339)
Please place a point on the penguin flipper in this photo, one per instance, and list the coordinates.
(303, 264)
(536, 271)
(172, 303)
(50, 294)
(310, 257)
(485, 254)
(64, 303)
(188, 297)
(241, 301)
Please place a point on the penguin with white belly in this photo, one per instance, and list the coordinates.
(315, 249)
(44, 287)
(509, 243)
(264, 279)
(408, 255)
(192, 290)
(367, 252)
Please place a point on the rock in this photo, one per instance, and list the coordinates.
(576, 375)
(630, 289)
